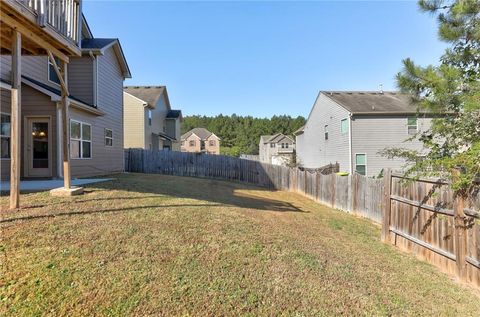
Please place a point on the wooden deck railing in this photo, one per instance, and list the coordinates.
(63, 15)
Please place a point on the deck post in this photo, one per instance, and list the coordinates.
(460, 233)
(387, 179)
(16, 114)
(65, 129)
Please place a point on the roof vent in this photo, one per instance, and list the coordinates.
(373, 108)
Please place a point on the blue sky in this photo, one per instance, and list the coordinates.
(264, 58)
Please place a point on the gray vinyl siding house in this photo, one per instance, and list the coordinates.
(95, 82)
(350, 128)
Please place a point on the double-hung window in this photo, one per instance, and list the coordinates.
(80, 140)
(412, 125)
(108, 137)
(211, 142)
(272, 145)
(326, 131)
(5, 136)
(344, 126)
(361, 164)
(149, 117)
(191, 143)
(52, 74)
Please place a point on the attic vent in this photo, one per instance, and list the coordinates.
(373, 107)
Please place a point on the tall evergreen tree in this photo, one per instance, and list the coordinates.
(451, 91)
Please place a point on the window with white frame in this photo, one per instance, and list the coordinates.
(149, 117)
(108, 137)
(80, 140)
(361, 164)
(412, 125)
(344, 126)
(326, 131)
(5, 136)
(191, 143)
(272, 145)
(52, 74)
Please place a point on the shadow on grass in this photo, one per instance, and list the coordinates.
(101, 211)
(149, 186)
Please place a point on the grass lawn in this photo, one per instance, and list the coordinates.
(158, 245)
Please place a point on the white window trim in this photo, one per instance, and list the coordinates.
(10, 115)
(346, 120)
(107, 137)
(48, 73)
(366, 163)
(416, 126)
(81, 140)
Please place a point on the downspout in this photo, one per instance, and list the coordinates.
(350, 142)
(95, 81)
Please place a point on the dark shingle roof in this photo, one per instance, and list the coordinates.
(360, 102)
(96, 44)
(149, 94)
(202, 133)
(174, 114)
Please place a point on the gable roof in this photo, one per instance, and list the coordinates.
(202, 133)
(300, 130)
(99, 45)
(373, 102)
(149, 94)
(274, 138)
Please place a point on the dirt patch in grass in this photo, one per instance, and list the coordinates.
(159, 245)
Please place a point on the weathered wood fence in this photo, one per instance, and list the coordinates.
(357, 194)
(425, 218)
(422, 216)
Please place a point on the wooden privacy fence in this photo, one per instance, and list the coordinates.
(357, 193)
(422, 216)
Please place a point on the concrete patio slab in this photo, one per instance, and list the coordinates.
(43, 185)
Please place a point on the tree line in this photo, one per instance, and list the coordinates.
(241, 134)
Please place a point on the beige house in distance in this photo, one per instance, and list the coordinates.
(149, 121)
(200, 140)
(277, 149)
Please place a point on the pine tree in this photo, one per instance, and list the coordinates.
(451, 91)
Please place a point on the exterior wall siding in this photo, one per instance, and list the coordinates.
(34, 104)
(313, 151)
(35, 67)
(80, 78)
(105, 159)
(134, 122)
(373, 134)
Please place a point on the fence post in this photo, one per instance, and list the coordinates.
(387, 179)
(353, 180)
(334, 188)
(317, 186)
(460, 233)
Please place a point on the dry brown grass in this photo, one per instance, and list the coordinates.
(159, 245)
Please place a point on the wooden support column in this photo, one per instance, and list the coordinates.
(387, 178)
(16, 117)
(460, 233)
(65, 128)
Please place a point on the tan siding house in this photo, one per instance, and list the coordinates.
(149, 121)
(95, 83)
(276, 149)
(200, 140)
